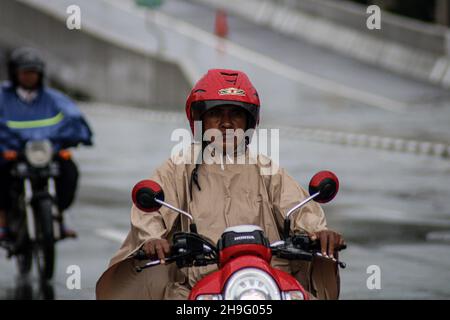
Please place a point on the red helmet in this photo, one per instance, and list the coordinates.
(223, 87)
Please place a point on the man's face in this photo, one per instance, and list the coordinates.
(223, 118)
(28, 79)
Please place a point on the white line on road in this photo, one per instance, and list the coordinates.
(438, 236)
(267, 63)
(428, 148)
(111, 234)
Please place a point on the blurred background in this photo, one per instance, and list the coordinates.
(371, 105)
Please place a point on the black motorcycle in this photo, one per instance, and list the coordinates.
(34, 220)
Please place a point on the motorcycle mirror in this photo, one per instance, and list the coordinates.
(145, 193)
(326, 184)
(148, 196)
(323, 187)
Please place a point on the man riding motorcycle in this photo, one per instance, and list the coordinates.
(29, 110)
(219, 195)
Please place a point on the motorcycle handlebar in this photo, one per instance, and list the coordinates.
(140, 255)
(180, 256)
(298, 248)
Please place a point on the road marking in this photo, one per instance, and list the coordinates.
(129, 112)
(265, 62)
(387, 215)
(438, 236)
(426, 148)
(390, 144)
(111, 234)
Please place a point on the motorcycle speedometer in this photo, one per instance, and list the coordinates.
(39, 153)
(251, 284)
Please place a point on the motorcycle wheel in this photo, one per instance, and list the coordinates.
(44, 248)
(24, 261)
(24, 255)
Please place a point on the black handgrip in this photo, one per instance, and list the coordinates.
(315, 245)
(286, 228)
(292, 253)
(140, 255)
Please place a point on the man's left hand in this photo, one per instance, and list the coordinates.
(329, 241)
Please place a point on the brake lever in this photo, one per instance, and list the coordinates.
(279, 246)
(155, 263)
(341, 264)
(141, 255)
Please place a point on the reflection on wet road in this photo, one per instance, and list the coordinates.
(392, 207)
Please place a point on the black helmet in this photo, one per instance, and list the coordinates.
(25, 58)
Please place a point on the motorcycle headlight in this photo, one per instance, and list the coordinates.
(39, 153)
(293, 295)
(251, 284)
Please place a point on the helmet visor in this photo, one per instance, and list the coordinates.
(199, 108)
(30, 67)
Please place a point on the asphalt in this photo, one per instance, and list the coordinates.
(392, 207)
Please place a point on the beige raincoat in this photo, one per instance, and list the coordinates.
(231, 194)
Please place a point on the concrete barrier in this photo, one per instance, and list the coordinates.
(354, 140)
(84, 61)
(396, 28)
(403, 45)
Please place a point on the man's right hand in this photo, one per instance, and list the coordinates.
(157, 248)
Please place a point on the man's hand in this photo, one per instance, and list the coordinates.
(329, 241)
(157, 248)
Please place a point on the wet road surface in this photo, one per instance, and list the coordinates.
(392, 208)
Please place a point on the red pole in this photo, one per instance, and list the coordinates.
(221, 26)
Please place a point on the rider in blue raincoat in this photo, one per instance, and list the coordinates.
(31, 111)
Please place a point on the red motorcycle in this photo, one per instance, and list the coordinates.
(242, 253)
